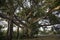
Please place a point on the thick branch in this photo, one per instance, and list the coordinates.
(14, 20)
(52, 9)
(17, 21)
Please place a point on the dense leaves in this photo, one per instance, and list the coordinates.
(27, 13)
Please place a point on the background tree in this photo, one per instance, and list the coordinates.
(28, 13)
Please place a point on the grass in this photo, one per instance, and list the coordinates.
(42, 38)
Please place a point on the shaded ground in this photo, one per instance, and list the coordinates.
(44, 38)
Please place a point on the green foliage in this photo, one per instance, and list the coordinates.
(1, 33)
(34, 28)
(53, 19)
(2, 2)
(37, 11)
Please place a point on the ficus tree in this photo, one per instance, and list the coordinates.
(29, 13)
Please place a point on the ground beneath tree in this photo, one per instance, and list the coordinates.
(43, 38)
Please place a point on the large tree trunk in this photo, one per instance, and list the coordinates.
(10, 27)
(17, 32)
(27, 32)
(10, 30)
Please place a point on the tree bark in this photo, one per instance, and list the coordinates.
(10, 30)
(10, 26)
(17, 32)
